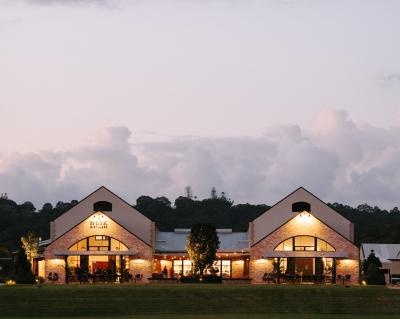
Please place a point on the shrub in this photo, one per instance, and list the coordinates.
(374, 276)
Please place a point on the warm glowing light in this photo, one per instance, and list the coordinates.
(98, 220)
(57, 261)
(10, 282)
(363, 283)
(305, 214)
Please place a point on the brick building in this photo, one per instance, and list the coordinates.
(103, 238)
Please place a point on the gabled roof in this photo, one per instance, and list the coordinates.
(281, 213)
(122, 213)
(385, 252)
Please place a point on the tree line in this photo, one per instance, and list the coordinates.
(371, 224)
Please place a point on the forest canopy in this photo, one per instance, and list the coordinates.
(371, 224)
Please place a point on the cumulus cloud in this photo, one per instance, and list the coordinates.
(334, 157)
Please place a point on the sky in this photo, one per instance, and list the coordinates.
(254, 97)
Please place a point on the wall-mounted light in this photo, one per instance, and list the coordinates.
(305, 214)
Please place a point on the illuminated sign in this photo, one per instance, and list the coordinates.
(98, 221)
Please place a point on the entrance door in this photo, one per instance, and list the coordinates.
(304, 266)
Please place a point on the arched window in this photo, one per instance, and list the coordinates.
(98, 242)
(102, 206)
(304, 243)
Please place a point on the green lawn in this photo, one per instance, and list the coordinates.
(199, 301)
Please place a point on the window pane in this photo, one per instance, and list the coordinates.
(216, 268)
(226, 268)
(322, 245)
(187, 267)
(73, 262)
(304, 241)
(285, 245)
(282, 264)
(328, 265)
(117, 245)
(177, 265)
(80, 245)
(329, 247)
(288, 244)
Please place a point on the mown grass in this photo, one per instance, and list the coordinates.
(199, 301)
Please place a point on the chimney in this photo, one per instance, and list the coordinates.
(251, 234)
(52, 231)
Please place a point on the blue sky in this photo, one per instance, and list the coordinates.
(253, 97)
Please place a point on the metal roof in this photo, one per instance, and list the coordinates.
(385, 252)
(176, 241)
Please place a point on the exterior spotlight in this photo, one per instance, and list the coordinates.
(305, 214)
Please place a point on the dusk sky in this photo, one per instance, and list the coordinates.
(254, 97)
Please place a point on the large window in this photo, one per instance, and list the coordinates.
(304, 243)
(222, 267)
(182, 267)
(98, 242)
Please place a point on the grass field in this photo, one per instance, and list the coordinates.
(198, 301)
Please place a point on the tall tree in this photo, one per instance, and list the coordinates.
(22, 269)
(371, 259)
(30, 244)
(213, 193)
(202, 245)
(188, 192)
(373, 275)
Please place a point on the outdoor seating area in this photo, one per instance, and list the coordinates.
(104, 276)
(273, 278)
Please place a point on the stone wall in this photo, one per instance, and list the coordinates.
(297, 226)
(140, 263)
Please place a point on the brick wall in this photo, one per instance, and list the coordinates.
(140, 263)
(310, 226)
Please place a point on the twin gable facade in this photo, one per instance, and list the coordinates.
(103, 238)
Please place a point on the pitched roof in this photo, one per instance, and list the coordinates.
(385, 252)
(282, 212)
(123, 213)
(176, 241)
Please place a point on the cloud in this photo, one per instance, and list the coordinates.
(66, 2)
(390, 79)
(335, 157)
(111, 4)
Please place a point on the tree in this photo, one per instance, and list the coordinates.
(374, 276)
(202, 245)
(188, 192)
(213, 193)
(22, 269)
(371, 259)
(164, 200)
(47, 207)
(27, 207)
(30, 244)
